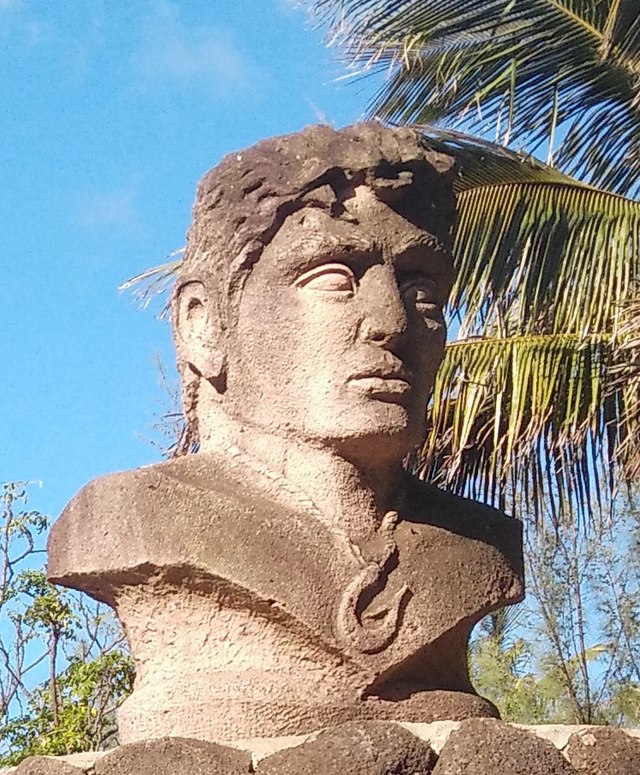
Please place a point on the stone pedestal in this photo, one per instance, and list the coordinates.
(475, 747)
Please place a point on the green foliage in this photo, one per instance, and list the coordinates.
(572, 654)
(41, 605)
(529, 399)
(64, 668)
(501, 672)
(88, 693)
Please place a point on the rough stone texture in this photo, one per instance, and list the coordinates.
(45, 765)
(173, 755)
(369, 748)
(85, 761)
(479, 747)
(79, 763)
(559, 734)
(489, 747)
(604, 751)
(434, 734)
(261, 747)
(292, 575)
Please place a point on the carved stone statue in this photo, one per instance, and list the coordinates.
(291, 574)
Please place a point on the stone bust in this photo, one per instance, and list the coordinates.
(291, 574)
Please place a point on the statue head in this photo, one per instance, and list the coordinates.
(309, 303)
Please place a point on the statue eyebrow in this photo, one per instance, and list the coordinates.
(306, 253)
(421, 254)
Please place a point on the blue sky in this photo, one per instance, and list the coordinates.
(111, 113)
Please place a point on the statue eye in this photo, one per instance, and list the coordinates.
(328, 278)
(424, 295)
(422, 291)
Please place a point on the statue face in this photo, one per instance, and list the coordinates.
(339, 330)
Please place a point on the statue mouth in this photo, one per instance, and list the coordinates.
(391, 382)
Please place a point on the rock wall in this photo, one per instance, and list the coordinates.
(473, 747)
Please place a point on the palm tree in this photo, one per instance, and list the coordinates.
(528, 70)
(530, 400)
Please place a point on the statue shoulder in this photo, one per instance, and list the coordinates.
(442, 530)
(201, 513)
(431, 505)
(98, 496)
(131, 494)
(121, 519)
(118, 494)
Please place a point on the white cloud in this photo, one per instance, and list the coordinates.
(27, 31)
(109, 208)
(291, 8)
(190, 55)
(85, 42)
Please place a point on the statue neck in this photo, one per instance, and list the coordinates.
(352, 496)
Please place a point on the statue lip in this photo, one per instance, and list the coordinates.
(390, 371)
(383, 380)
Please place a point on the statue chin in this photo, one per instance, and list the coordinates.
(382, 435)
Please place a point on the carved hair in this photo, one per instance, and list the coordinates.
(241, 204)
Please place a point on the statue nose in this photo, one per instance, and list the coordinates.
(384, 320)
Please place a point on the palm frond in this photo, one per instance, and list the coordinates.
(528, 399)
(533, 66)
(532, 415)
(626, 378)
(481, 162)
(544, 256)
(155, 282)
(536, 251)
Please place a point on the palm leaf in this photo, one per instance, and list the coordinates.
(527, 400)
(536, 251)
(152, 283)
(626, 374)
(550, 68)
(544, 257)
(531, 415)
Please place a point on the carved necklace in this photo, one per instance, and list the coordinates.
(355, 629)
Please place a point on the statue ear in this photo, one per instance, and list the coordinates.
(199, 332)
